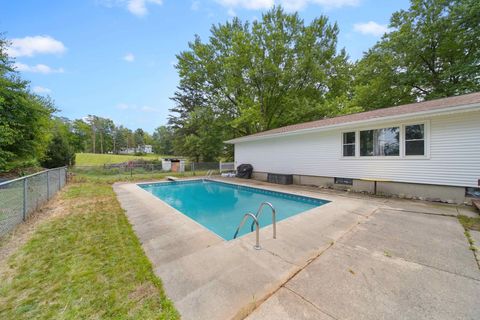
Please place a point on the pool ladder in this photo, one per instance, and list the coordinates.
(256, 224)
(209, 174)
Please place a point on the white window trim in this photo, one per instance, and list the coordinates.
(343, 144)
(401, 155)
(426, 138)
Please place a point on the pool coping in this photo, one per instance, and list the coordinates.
(325, 202)
(176, 246)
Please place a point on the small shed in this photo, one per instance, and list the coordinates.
(173, 164)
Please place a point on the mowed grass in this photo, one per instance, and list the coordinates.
(84, 263)
(95, 159)
(98, 176)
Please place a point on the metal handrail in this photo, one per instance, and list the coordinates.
(274, 217)
(257, 231)
(209, 174)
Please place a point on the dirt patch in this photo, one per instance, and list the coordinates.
(143, 292)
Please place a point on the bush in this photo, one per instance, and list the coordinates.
(59, 153)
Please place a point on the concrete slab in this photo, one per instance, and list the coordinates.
(286, 305)
(225, 281)
(468, 211)
(476, 243)
(436, 241)
(476, 238)
(208, 278)
(421, 206)
(353, 283)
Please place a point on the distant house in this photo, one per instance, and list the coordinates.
(147, 148)
(127, 151)
(140, 149)
(428, 150)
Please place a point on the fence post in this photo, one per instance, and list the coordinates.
(48, 186)
(24, 199)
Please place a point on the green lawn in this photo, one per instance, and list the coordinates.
(95, 159)
(85, 263)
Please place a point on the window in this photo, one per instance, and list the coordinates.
(380, 142)
(472, 192)
(346, 181)
(415, 140)
(349, 144)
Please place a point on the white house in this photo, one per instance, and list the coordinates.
(427, 150)
(147, 148)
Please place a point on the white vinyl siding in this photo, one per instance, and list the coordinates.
(452, 154)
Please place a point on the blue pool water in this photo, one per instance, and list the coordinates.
(220, 206)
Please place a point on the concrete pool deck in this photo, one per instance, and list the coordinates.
(355, 257)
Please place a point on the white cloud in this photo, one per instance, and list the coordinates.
(125, 106)
(136, 7)
(289, 5)
(38, 68)
(371, 28)
(247, 4)
(122, 106)
(41, 90)
(195, 5)
(129, 57)
(148, 109)
(30, 46)
(231, 12)
(336, 3)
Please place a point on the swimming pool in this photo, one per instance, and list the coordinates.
(220, 206)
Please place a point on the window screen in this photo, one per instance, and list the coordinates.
(349, 144)
(415, 140)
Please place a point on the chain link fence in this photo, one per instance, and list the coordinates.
(20, 197)
(145, 167)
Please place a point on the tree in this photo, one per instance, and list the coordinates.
(163, 140)
(121, 138)
(254, 77)
(82, 141)
(139, 137)
(201, 139)
(432, 51)
(60, 152)
(24, 117)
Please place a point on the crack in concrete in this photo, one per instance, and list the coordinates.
(420, 212)
(288, 279)
(409, 261)
(310, 303)
(281, 258)
(308, 262)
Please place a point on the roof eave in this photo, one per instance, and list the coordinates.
(449, 110)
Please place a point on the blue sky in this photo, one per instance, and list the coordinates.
(115, 58)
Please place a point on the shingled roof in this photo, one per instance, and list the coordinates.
(406, 109)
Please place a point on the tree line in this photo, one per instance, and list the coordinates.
(279, 70)
(255, 76)
(100, 135)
